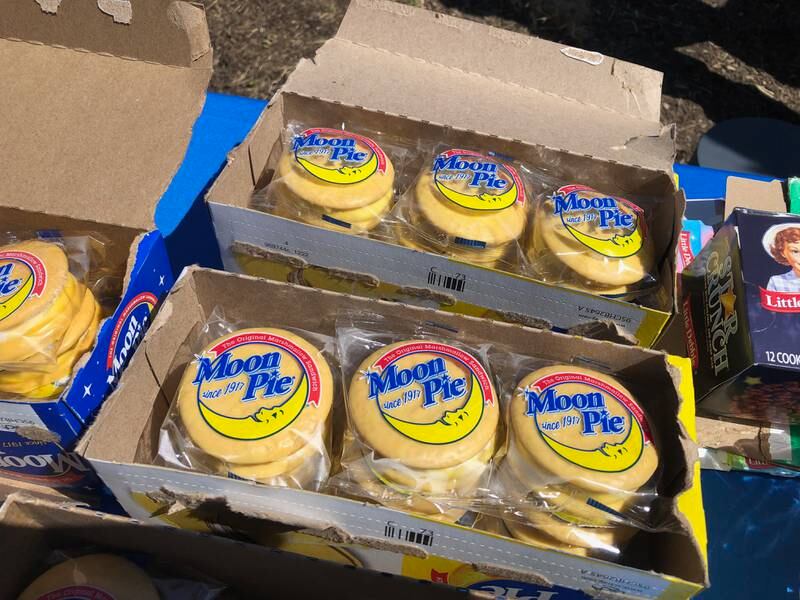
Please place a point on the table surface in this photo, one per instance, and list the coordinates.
(753, 520)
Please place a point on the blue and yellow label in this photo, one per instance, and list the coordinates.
(338, 157)
(251, 386)
(587, 421)
(611, 226)
(22, 276)
(413, 380)
(476, 182)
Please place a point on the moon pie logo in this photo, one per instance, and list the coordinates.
(77, 592)
(429, 382)
(577, 422)
(477, 182)
(274, 375)
(128, 330)
(596, 221)
(22, 275)
(338, 157)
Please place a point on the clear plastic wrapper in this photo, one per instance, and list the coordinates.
(423, 416)
(254, 402)
(468, 205)
(93, 575)
(592, 241)
(52, 287)
(338, 178)
(580, 468)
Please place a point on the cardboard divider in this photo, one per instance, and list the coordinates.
(123, 442)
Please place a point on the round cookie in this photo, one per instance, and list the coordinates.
(33, 275)
(567, 502)
(534, 537)
(470, 196)
(299, 470)
(459, 480)
(33, 345)
(361, 219)
(606, 538)
(255, 396)
(88, 311)
(93, 577)
(393, 497)
(335, 169)
(582, 427)
(48, 384)
(425, 404)
(601, 238)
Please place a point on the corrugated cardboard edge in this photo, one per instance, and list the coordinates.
(741, 192)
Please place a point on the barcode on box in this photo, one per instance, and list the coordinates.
(423, 537)
(455, 283)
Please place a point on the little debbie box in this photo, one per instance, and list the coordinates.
(93, 129)
(415, 75)
(123, 444)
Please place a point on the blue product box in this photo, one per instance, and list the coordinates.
(92, 133)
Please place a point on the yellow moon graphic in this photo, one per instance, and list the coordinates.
(342, 175)
(451, 427)
(619, 246)
(608, 458)
(17, 298)
(483, 202)
(265, 422)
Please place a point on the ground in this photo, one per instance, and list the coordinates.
(721, 58)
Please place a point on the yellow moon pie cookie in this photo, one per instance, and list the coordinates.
(93, 577)
(425, 404)
(534, 537)
(38, 297)
(601, 238)
(255, 396)
(359, 220)
(582, 427)
(338, 170)
(474, 200)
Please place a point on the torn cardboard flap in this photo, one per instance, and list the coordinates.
(506, 85)
(100, 115)
(741, 192)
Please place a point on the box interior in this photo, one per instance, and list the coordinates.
(31, 529)
(127, 427)
(105, 108)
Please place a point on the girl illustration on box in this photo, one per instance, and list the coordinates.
(782, 242)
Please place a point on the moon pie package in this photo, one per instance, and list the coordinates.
(88, 574)
(254, 402)
(423, 417)
(467, 205)
(592, 241)
(339, 179)
(581, 464)
(51, 289)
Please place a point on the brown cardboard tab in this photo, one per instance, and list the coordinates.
(751, 193)
(483, 79)
(100, 113)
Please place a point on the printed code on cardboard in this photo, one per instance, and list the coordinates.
(455, 283)
(394, 531)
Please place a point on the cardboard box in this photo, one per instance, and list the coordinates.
(435, 78)
(741, 300)
(123, 442)
(30, 529)
(95, 125)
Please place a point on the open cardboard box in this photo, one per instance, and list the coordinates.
(429, 77)
(31, 529)
(123, 443)
(94, 126)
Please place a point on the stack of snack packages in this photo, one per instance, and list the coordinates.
(556, 455)
(48, 320)
(473, 206)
